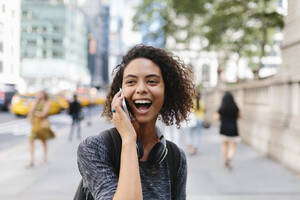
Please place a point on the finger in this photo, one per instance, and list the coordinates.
(116, 104)
(117, 95)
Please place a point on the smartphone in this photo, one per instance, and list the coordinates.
(124, 105)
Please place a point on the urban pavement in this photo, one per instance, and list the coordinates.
(254, 176)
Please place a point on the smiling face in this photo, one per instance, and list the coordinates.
(143, 87)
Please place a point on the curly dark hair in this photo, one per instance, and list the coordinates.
(178, 79)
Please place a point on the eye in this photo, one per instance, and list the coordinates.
(152, 81)
(130, 82)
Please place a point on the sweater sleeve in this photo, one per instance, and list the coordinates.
(181, 178)
(96, 168)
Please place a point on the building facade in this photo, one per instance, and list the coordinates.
(10, 41)
(97, 13)
(53, 44)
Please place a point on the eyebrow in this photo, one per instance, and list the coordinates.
(148, 76)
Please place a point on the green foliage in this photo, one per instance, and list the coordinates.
(243, 27)
(150, 12)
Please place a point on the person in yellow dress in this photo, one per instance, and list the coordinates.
(40, 130)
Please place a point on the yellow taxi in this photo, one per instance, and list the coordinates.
(21, 104)
(100, 100)
(54, 105)
(83, 99)
(63, 102)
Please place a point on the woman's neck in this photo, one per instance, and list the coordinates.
(147, 134)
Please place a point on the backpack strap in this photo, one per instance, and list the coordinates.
(113, 139)
(116, 146)
(173, 158)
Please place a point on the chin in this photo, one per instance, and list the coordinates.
(144, 119)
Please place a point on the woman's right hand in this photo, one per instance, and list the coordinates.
(122, 121)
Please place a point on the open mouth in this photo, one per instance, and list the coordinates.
(142, 106)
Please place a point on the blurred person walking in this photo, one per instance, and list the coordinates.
(40, 130)
(194, 131)
(228, 114)
(75, 112)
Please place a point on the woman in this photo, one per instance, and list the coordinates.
(228, 113)
(41, 130)
(155, 84)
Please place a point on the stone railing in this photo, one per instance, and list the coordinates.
(270, 122)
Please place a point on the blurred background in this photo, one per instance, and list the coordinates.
(66, 47)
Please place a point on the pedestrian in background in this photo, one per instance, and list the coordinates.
(228, 114)
(75, 113)
(154, 84)
(194, 131)
(40, 130)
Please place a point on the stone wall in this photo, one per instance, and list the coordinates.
(270, 120)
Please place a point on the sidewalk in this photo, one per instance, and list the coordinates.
(254, 177)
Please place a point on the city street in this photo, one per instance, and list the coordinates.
(254, 177)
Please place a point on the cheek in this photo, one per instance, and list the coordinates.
(127, 92)
(160, 95)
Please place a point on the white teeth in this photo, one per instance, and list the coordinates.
(142, 101)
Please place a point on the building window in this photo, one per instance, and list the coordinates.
(56, 29)
(44, 40)
(31, 42)
(44, 54)
(57, 54)
(205, 73)
(24, 13)
(57, 41)
(44, 29)
(34, 29)
(1, 67)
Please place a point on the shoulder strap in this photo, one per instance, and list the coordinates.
(173, 158)
(113, 139)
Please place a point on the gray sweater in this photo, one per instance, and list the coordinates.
(99, 176)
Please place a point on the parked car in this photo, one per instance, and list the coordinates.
(84, 100)
(100, 100)
(21, 104)
(6, 93)
(55, 106)
(63, 102)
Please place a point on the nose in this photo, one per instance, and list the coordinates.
(141, 88)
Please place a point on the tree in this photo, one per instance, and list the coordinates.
(241, 27)
(236, 26)
(153, 19)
